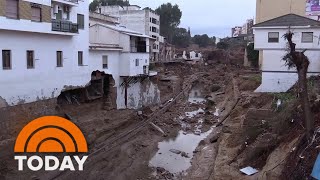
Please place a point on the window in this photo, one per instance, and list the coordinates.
(59, 59)
(30, 59)
(307, 37)
(80, 58)
(80, 18)
(35, 13)
(137, 62)
(273, 37)
(105, 62)
(12, 9)
(150, 28)
(6, 59)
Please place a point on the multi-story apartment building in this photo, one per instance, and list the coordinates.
(44, 49)
(269, 9)
(124, 55)
(145, 21)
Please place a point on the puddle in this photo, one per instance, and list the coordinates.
(195, 96)
(175, 163)
(194, 113)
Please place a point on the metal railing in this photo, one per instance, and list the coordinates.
(64, 26)
(139, 49)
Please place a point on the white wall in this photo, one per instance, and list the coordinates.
(102, 35)
(139, 95)
(261, 38)
(128, 63)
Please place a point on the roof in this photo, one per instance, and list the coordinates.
(289, 20)
(122, 30)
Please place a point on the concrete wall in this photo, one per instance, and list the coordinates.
(269, 9)
(128, 63)
(140, 94)
(261, 38)
(21, 85)
(98, 34)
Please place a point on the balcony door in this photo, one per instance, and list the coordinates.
(59, 15)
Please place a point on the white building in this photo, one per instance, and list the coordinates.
(276, 77)
(145, 21)
(123, 54)
(44, 49)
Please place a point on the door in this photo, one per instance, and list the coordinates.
(59, 15)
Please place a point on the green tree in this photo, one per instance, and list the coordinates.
(95, 3)
(222, 45)
(253, 55)
(170, 17)
(202, 40)
(213, 40)
(181, 37)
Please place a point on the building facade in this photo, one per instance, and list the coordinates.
(145, 21)
(124, 55)
(269, 9)
(276, 77)
(44, 49)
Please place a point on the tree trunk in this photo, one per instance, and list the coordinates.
(304, 98)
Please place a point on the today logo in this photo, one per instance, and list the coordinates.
(50, 134)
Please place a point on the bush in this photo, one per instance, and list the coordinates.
(253, 55)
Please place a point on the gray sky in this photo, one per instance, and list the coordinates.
(212, 17)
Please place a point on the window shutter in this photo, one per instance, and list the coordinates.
(36, 14)
(12, 9)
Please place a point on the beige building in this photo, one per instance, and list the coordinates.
(269, 9)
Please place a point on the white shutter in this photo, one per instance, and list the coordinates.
(12, 9)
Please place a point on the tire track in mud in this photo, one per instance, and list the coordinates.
(114, 142)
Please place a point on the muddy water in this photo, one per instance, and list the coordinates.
(169, 155)
(175, 163)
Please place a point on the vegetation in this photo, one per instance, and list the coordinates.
(253, 55)
(204, 40)
(298, 60)
(181, 37)
(95, 3)
(169, 21)
(222, 45)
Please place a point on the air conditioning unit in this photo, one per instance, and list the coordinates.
(66, 8)
(55, 9)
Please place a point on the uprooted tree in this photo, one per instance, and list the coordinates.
(298, 60)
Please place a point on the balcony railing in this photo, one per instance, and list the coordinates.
(139, 49)
(64, 26)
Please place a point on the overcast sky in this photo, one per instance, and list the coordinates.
(212, 17)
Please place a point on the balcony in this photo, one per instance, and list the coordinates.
(69, 2)
(139, 49)
(64, 26)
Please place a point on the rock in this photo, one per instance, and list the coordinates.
(214, 138)
(215, 87)
(184, 154)
(139, 113)
(197, 132)
(175, 151)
